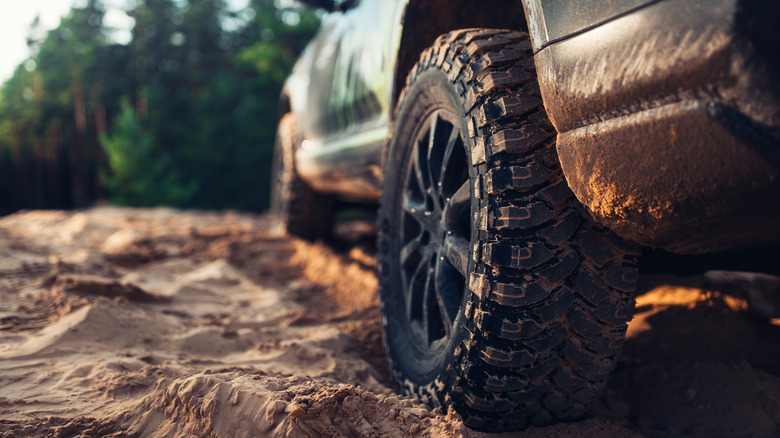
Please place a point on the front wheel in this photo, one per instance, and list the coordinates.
(499, 295)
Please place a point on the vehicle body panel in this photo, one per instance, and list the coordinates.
(340, 89)
(554, 20)
(666, 128)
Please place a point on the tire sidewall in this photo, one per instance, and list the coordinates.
(414, 368)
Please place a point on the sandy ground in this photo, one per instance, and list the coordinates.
(123, 322)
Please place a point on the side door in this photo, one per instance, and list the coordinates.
(348, 99)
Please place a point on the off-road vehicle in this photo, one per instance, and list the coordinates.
(527, 157)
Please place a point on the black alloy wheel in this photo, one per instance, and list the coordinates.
(435, 230)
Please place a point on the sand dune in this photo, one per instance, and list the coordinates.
(157, 322)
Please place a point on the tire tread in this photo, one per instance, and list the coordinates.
(550, 293)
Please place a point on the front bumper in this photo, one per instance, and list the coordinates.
(669, 123)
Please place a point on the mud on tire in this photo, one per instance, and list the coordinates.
(499, 294)
(295, 207)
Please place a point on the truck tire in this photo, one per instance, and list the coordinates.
(296, 208)
(499, 294)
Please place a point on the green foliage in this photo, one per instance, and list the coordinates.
(200, 85)
(138, 174)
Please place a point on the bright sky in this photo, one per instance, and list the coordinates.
(16, 16)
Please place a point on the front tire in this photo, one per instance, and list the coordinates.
(499, 294)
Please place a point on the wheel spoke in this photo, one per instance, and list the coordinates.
(433, 158)
(432, 320)
(443, 140)
(416, 291)
(456, 252)
(449, 167)
(449, 293)
(412, 252)
(420, 166)
(458, 208)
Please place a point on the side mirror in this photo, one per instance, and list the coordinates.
(328, 5)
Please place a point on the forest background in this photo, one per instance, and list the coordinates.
(184, 114)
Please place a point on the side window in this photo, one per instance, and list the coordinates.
(354, 96)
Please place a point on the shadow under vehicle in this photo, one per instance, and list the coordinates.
(528, 158)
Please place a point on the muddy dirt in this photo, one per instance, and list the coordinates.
(157, 322)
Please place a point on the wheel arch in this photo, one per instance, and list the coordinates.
(424, 21)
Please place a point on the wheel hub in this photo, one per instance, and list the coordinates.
(436, 230)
